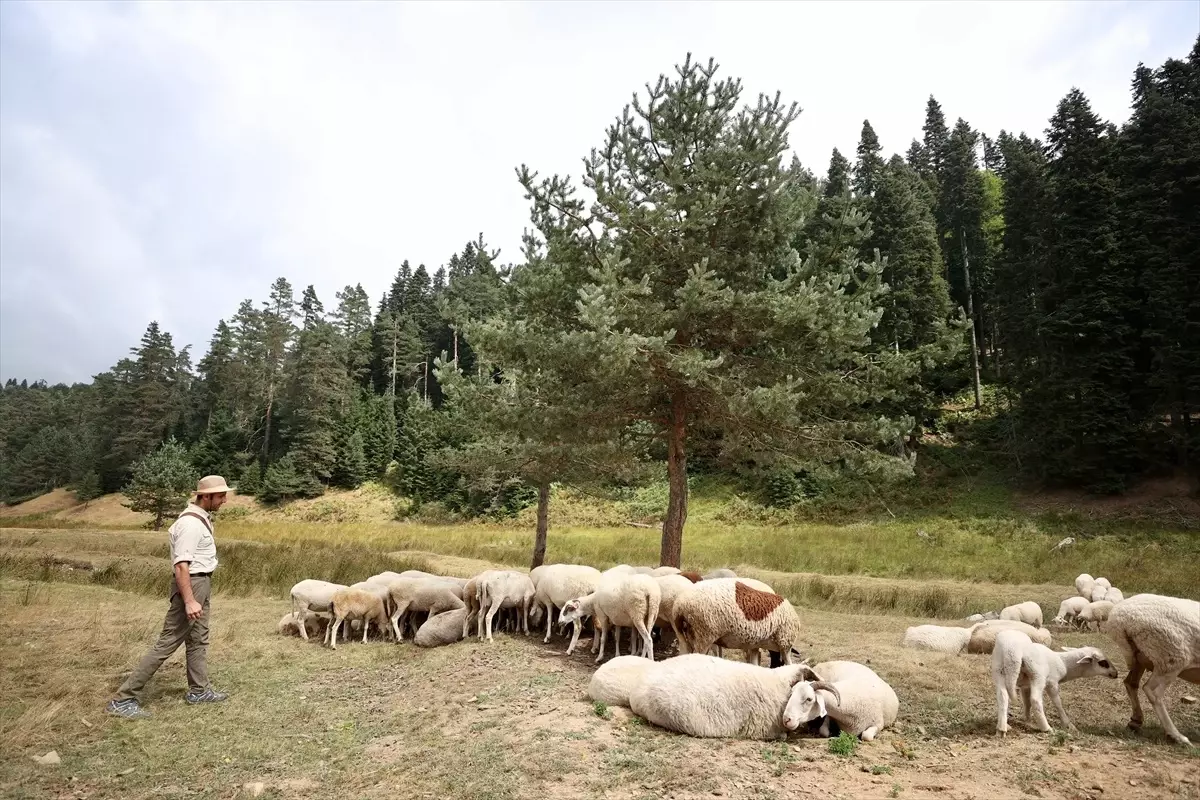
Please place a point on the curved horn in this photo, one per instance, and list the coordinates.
(829, 687)
(804, 673)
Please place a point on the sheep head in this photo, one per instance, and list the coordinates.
(572, 611)
(805, 704)
(1084, 662)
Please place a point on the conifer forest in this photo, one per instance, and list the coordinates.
(695, 300)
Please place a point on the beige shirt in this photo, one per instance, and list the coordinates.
(192, 540)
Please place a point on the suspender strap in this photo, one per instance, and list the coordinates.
(207, 524)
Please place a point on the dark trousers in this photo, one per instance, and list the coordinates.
(177, 630)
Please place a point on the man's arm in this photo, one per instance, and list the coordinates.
(184, 581)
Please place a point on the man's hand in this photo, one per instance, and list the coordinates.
(194, 610)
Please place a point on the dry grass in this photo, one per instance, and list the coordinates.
(504, 721)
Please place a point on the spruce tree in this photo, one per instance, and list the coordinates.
(316, 397)
(869, 166)
(675, 302)
(352, 319)
(1088, 423)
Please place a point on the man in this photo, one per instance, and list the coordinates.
(193, 559)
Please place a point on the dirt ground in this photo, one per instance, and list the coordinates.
(509, 719)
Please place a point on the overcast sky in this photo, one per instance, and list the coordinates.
(163, 161)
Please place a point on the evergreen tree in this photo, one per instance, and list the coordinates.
(352, 319)
(283, 481)
(839, 228)
(661, 302)
(316, 398)
(350, 468)
(1086, 423)
(1160, 209)
(278, 332)
(379, 434)
(869, 166)
(162, 482)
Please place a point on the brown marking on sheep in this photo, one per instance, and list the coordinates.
(755, 605)
(694, 577)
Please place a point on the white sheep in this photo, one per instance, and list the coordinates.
(1084, 584)
(707, 696)
(1036, 669)
(441, 629)
(616, 679)
(558, 583)
(1114, 595)
(728, 612)
(937, 638)
(670, 586)
(620, 600)
(620, 569)
(1095, 613)
(312, 595)
(1099, 593)
(1028, 612)
(984, 617)
(413, 595)
(720, 573)
(659, 572)
(504, 589)
(1161, 635)
(983, 635)
(1104, 582)
(854, 696)
(291, 623)
(1069, 609)
(357, 604)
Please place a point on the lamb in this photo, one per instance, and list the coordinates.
(1036, 669)
(1103, 582)
(420, 594)
(1028, 612)
(620, 600)
(1161, 635)
(441, 629)
(558, 583)
(983, 635)
(984, 617)
(1069, 609)
(728, 612)
(616, 679)
(1114, 595)
(504, 589)
(1095, 613)
(706, 696)
(720, 573)
(1099, 593)
(312, 595)
(938, 638)
(311, 622)
(358, 604)
(1084, 585)
(854, 697)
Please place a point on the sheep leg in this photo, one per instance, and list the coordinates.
(1132, 681)
(1037, 690)
(647, 642)
(1156, 690)
(869, 734)
(398, 612)
(490, 616)
(366, 627)
(1001, 708)
(337, 624)
(603, 639)
(1062, 712)
(752, 656)
(574, 639)
(549, 619)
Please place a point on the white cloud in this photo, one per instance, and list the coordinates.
(227, 144)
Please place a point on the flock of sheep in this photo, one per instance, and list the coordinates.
(702, 694)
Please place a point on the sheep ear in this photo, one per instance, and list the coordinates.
(821, 707)
(805, 673)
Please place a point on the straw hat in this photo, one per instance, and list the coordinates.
(212, 484)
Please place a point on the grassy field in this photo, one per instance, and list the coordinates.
(81, 601)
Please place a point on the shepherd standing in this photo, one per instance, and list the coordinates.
(193, 559)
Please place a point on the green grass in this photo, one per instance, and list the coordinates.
(844, 744)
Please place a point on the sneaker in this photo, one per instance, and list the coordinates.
(129, 709)
(205, 696)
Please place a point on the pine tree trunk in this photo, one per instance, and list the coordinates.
(672, 535)
(266, 451)
(543, 525)
(971, 316)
